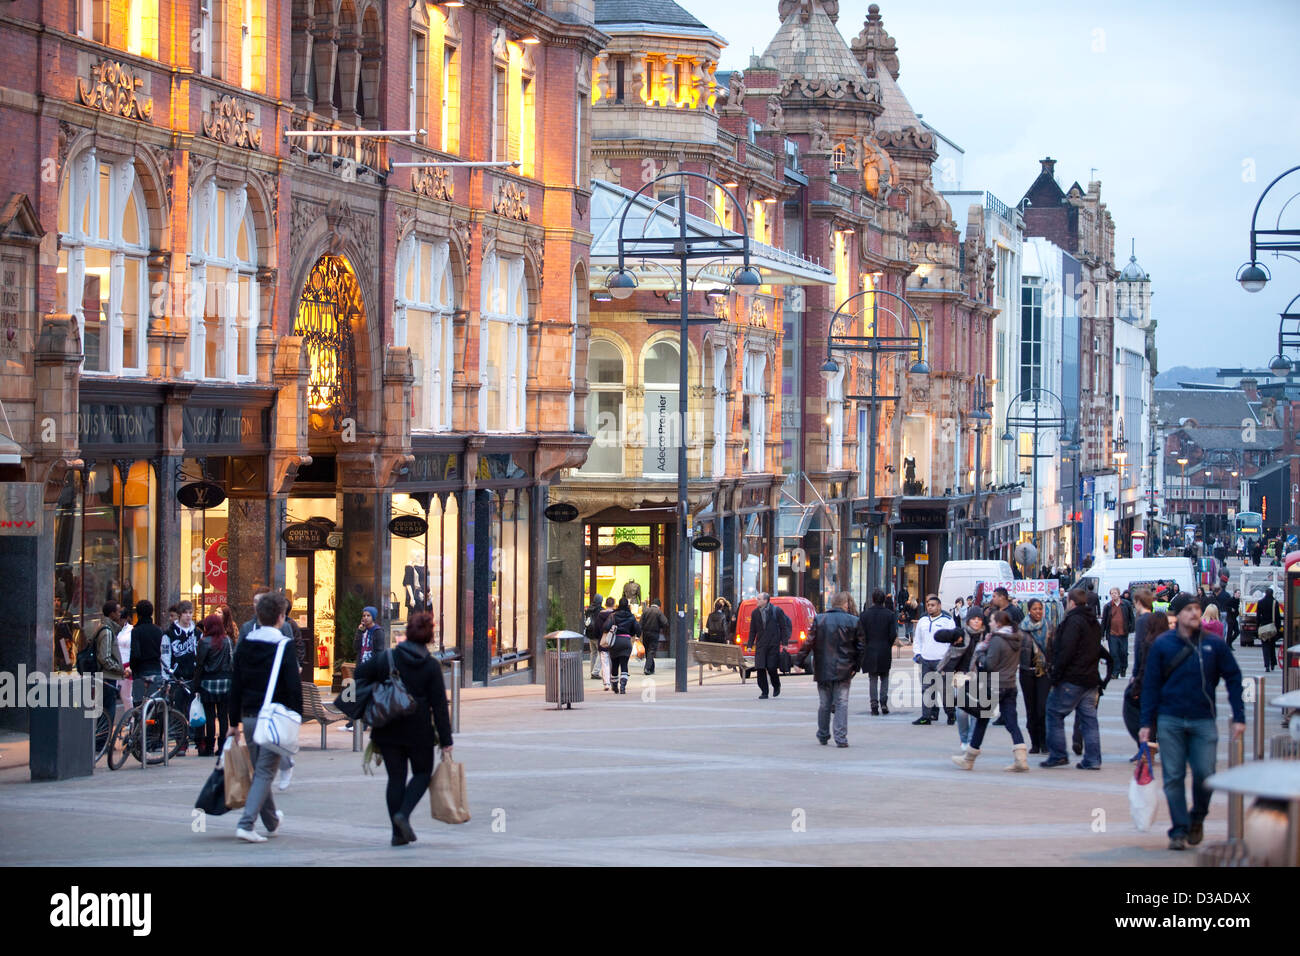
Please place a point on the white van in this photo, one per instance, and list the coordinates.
(1128, 573)
(958, 578)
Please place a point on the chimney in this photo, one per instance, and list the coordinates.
(1049, 166)
(1251, 388)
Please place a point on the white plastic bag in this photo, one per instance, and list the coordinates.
(1143, 794)
(198, 717)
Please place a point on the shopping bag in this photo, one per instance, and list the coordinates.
(212, 798)
(1143, 794)
(238, 773)
(197, 715)
(447, 798)
(638, 649)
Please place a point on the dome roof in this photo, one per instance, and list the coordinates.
(1133, 272)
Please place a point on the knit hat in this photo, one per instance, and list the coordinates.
(374, 612)
(1181, 600)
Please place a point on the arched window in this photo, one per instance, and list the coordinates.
(662, 432)
(102, 275)
(720, 381)
(503, 355)
(604, 409)
(223, 300)
(422, 318)
(754, 412)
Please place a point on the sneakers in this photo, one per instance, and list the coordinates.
(1087, 766)
(249, 836)
(952, 719)
(884, 708)
(1178, 842)
(1196, 834)
(875, 710)
(823, 740)
(841, 744)
(403, 827)
(279, 822)
(922, 722)
(1055, 762)
(347, 728)
(282, 784)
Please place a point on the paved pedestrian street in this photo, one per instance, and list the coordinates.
(711, 777)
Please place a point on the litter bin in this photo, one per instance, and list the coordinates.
(63, 729)
(564, 668)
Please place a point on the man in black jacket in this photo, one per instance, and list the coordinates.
(879, 632)
(145, 667)
(253, 665)
(1076, 650)
(1118, 621)
(769, 629)
(837, 650)
(654, 624)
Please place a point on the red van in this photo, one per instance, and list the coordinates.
(800, 611)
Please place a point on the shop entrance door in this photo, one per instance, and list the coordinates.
(310, 587)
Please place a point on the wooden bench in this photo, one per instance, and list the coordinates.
(313, 708)
(724, 655)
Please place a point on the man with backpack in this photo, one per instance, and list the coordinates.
(1179, 679)
(100, 657)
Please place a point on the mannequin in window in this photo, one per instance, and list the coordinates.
(415, 581)
(632, 592)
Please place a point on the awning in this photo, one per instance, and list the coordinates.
(649, 219)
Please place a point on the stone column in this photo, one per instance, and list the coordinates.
(564, 569)
(167, 553)
(363, 561)
(248, 541)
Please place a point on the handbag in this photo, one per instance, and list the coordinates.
(390, 699)
(447, 798)
(197, 715)
(277, 725)
(1268, 632)
(607, 639)
(238, 773)
(212, 798)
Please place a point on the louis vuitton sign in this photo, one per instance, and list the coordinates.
(113, 89)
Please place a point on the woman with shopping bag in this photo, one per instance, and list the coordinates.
(409, 739)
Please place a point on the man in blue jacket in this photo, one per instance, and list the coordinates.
(1179, 678)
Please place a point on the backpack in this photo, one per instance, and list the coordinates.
(88, 656)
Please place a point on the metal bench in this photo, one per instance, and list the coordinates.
(313, 708)
(724, 655)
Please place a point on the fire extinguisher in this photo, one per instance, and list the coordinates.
(322, 655)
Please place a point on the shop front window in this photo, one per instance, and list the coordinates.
(424, 569)
(508, 633)
(104, 545)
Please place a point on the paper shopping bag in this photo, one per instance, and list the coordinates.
(447, 797)
(239, 774)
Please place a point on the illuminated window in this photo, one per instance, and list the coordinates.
(451, 99)
(142, 28)
(102, 274)
(416, 84)
(422, 321)
(720, 423)
(604, 409)
(205, 36)
(223, 300)
(503, 356)
(754, 426)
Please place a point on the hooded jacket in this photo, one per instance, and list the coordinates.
(421, 672)
(1002, 657)
(254, 658)
(1076, 650)
(625, 628)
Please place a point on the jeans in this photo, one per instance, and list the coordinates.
(1183, 742)
(1035, 691)
(763, 674)
(964, 725)
(931, 689)
(1063, 700)
(1119, 651)
(604, 667)
(833, 698)
(217, 707)
(402, 794)
(1007, 708)
(1270, 654)
(651, 645)
(266, 762)
(878, 684)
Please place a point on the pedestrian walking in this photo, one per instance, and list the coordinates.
(998, 655)
(605, 618)
(1234, 617)
(769, 629)
(369, 641)
(909, 614)
(929, 653)
(718, 625)
(654, 625)
(591, 631)
(1076, 651)
(146, 655)
(1118, 621)
(183, 638)
(879, 635)
(1211, 623)
(251, 671)
(409, 741)
(838, 651)
(956, 667)
(625, 628)
(1184, 666)
(1151, 627)
(1034, 682)
(1268, 622)
(213, 667)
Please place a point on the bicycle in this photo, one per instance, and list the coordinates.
(126, 738)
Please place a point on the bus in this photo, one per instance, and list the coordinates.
(1249, 525)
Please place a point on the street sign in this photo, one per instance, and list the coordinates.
(408, 526)
(561, 511)
(922, 559)
(307, 536)
(706, 542)
(200, 495)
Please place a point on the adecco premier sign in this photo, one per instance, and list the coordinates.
(21, 508)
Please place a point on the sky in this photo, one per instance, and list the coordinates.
(1186, 111)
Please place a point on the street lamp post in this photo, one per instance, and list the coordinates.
(1253, 275)
(1072, 448)
(874, 344)
(1186, 509)
(979, 416)
(1018, 419)
(682, 248)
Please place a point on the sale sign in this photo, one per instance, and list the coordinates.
(215, 567)
(1021, 590)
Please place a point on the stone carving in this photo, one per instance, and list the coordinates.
(874, 48)
(464, 232)
(758, 312)
(434, 183)
(229, 121)
(537, 246)
(736, 89)
(302, 217)
(775, 114)
(910, 138)
(805, 8)
(833, 89)
(166, 163)
(405, 215)
(67, 133)
(511, 201)
(489, 237)
(819, 139)
(114, 90)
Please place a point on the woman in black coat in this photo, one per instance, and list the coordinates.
(625, 628)
(880, 632)
(1266, 613)
(411, 739)
(213, 667)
